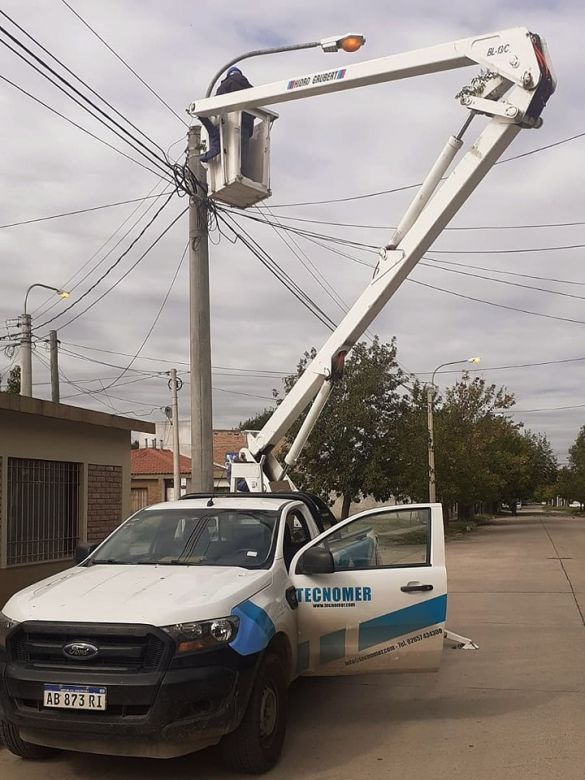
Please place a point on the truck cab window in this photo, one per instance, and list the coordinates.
(296, 535)
(383, 539)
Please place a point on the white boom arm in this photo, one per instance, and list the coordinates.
(513, 93)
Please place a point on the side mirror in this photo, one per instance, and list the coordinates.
(316, 560)
(83, 550)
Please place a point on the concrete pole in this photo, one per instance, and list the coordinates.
(54, 361)
(176, 444)
(200, 326)
(432, 486)
(26, 356)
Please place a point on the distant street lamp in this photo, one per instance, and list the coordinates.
(26, 339)
(431, 389)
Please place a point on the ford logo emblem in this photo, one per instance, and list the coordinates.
(80, 650)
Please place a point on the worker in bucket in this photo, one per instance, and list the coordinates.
(234, 81)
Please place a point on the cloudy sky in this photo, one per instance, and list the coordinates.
(330, 147)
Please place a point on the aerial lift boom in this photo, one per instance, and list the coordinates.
(512, 92)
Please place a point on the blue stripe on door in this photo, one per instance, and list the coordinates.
(332, 646)
(302, 657)
(403, 621)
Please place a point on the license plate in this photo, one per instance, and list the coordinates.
(74, 697)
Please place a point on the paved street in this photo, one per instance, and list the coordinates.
(516, 709)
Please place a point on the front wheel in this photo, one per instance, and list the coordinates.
(255, 746)
(10, 736)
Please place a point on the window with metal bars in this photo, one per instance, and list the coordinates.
(43, 510)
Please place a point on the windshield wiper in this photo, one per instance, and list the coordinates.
(111, 561)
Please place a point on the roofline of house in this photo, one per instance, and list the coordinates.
(23, 405)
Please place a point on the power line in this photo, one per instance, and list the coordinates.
(462, 227)
(79, 211)
(81, 81)
(67, 283)
(175, 362)
(498, 305)
(123, 61)
(413, 186)
(545, 409)
(114, 264)
(507, 273)
(505, 251)
(154, 322)
(502, 281)
(125, 274)
(138, 146)
(503, 368)
(277, 271)
(80, 127)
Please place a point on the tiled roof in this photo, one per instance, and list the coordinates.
(227, 441)
(149, 460)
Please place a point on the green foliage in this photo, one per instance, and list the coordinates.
(571, 479)
(13, 381)
(481, 455)
(372, 440)
(256, 422)
(353, 450)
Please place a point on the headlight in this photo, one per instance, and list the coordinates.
(203, 634)
(6, 626)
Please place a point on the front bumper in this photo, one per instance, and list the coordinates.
(181, 707)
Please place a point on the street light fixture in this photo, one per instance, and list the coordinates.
(26, 338)
(349, 42)
(431, 442)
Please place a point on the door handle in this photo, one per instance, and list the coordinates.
(414, 587)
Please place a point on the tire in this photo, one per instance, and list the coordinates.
(255, 746)
(10, 736)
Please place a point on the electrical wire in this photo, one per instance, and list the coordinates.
(127, 272)
(175, 362)
(501, 281)
(67, 285)
(498, 305)
(154, 322)
(462, 227)
(81, 81)
(80, 127)
(276, 270)
(116, 263)
(138, 146)
(79, 211)
(507, 273)
(413, 186)
(123, 61)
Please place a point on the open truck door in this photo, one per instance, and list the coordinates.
(372, 593)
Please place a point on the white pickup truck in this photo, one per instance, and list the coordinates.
(185, 627)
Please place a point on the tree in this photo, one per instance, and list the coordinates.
(352, 450)
(571, 482)
(256, 422)
(13, 381)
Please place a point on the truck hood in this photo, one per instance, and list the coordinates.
(155, 595)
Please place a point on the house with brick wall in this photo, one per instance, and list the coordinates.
(64, 478)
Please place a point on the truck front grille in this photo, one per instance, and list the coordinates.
(119, 648)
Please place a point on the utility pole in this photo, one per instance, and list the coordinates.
(175, 387)
(26, 355)
(54, 361)
(432, 486)
(200, 324)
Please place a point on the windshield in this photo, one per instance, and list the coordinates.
(193, 537)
